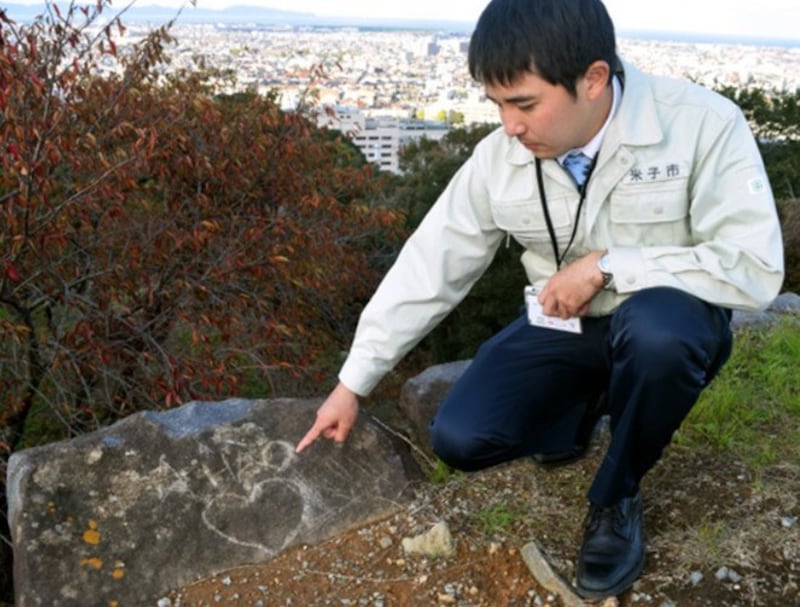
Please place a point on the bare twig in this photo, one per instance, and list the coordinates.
(425, 457)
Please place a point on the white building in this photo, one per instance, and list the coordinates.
(380, 138)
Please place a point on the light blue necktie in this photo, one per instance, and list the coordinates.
(577, 163)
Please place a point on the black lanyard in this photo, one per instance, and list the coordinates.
(553, 240)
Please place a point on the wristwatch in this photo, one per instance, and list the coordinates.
(604, 265)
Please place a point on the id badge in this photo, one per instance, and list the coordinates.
(537, 318)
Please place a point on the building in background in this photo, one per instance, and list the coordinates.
(380, 138)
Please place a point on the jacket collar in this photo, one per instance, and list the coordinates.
(637, 122)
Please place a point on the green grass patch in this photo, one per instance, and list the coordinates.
(442, 473)
(500, 518)
(751, 409)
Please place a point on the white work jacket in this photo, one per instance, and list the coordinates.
(679, 197)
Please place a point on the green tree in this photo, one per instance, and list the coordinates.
(774, 117)
(456, 117)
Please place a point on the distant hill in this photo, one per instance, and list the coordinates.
(250, 15)
(255, 16)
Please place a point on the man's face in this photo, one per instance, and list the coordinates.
(544, 117)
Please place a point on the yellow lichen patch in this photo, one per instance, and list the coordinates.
(118, 574)
(93, 562)
(113, 604)
(92, 535)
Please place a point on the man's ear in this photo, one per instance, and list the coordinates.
(596, 79)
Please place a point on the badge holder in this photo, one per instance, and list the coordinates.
(537, 318)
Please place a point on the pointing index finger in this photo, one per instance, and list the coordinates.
(309, 438)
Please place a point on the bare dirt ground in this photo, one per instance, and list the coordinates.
(719, 535)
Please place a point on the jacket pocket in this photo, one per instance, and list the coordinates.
(525, 221)
(651, 217)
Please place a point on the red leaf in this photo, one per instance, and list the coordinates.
(11, 272)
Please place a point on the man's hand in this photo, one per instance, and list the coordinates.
(335, 417)
(569, 291)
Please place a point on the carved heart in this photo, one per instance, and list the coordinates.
(268, 519)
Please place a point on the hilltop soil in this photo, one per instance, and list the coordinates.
(718, 535)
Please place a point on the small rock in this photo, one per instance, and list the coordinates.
(385, 542)
(789, 521)
(227, 581)
(725, 573)
(165, 602)
(436, 542)
(695, 578)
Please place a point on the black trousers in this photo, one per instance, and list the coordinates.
(528, 388)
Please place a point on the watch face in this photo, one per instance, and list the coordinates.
(603, 263)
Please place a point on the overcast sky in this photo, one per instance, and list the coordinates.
(756, 18)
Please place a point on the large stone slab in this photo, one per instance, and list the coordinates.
(123, 515)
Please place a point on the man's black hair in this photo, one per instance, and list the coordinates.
(556, 39)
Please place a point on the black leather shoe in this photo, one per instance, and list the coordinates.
(612, 554)
(582, 441)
